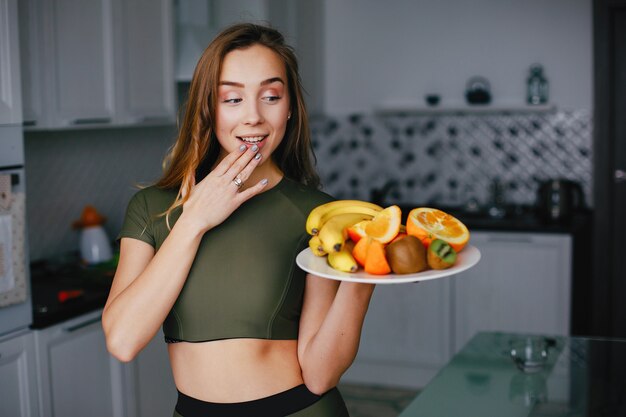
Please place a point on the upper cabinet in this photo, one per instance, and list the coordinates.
(101, 62)
(10, 97)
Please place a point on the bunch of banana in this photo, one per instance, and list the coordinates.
(327, 224)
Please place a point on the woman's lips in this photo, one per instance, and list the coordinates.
(250, 141)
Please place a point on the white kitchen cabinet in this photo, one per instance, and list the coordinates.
(151, 391)
(18, 378)
(522, 284)
(77, 376)
(97, 63)
(406, 335)
(10, 95)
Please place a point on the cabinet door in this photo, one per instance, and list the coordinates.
(76, 370)
(406, 335)
(10, 95)
(79, 61)
(144, 47)
(521, 284)
(31, 50)
(151, 381)
(18, 378)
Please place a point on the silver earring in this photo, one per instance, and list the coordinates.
(289, 116)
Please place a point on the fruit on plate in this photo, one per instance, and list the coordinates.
(440, 255)
(428, 224)
(375, 260)
(406, 255)
(316, 246)
(322, 213)
(360, 250)
(357, 231)
(385, 225)
(343, 260)
(333, 234)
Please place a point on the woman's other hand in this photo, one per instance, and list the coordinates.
(221, 192)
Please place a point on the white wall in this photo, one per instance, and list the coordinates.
(398, 50)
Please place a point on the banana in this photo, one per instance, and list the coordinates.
(346, 209)
(316, 246)
(333, 234)
(343, 260)
(315, 216)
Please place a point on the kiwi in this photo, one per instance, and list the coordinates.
(406, 255)
(440, 255)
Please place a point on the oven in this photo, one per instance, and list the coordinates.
(15, 295)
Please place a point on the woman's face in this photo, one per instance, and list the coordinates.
(253, 100)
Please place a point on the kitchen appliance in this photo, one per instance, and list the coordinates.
(15, 298)
(478, 91)
(559, 199)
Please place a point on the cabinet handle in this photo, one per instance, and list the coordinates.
(79, 326)
(26, 123)
(91, 121)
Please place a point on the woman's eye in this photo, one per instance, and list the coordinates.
(231, 100)
(271, 98)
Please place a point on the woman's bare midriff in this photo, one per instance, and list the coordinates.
(235, 370)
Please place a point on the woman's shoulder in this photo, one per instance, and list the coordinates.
(306, 197)
(155, 199)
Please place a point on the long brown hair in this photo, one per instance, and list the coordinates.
(196, 149)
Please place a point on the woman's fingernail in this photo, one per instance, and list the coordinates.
(242, 148)
(254, 148)
(264, 181)
(257, 156)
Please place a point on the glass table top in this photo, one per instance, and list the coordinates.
(501, 374)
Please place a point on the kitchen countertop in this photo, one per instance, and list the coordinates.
(67, 273)
(49, 277)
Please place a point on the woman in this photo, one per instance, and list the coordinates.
(209, 251)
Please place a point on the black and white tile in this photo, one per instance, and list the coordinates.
(447, 159)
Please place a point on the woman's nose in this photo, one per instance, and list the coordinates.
(253, 114)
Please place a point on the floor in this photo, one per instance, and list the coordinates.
(373, 401)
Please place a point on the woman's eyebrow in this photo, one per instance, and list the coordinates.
(265, 82)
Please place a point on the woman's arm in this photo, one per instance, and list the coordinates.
(147, 284)
(330, 329)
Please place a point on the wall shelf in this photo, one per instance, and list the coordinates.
(416, 110)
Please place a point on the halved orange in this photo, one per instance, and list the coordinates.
(428, 224)
(385, 225)
(357, 231)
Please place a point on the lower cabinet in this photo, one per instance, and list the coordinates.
(521, 284)
(18, 377)
(76, 373)
(78, 377)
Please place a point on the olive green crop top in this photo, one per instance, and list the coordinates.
(244, 282)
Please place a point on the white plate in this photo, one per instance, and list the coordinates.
(318, 265)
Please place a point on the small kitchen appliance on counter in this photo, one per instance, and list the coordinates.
(558, 200)
(94, 243)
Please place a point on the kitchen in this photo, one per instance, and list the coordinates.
(83, 150)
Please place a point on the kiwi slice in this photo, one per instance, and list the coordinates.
(440, 255)
(406, 255)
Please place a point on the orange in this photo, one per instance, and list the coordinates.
(357, 231)
(376, 261)
(360, 250)
(385, 225)
(428, 224)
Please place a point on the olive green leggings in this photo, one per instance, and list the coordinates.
(330, 404)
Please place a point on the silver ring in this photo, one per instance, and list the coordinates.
(238, 181)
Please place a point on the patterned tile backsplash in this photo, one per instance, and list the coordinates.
(448, 158)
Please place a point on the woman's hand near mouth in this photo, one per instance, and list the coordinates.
(214, 198)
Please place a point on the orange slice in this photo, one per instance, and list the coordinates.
(385, 225)
(428, 224)
(357, 231)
